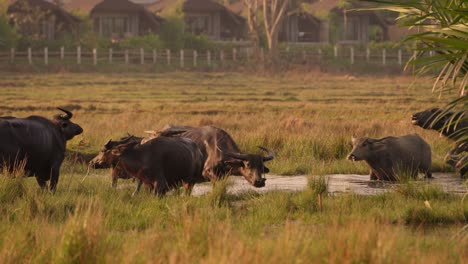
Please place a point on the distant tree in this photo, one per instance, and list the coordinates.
(273, 14)
(253, 23)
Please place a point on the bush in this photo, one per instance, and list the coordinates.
(199, 43)
(8, 35)
(148, 42)
(172, 33)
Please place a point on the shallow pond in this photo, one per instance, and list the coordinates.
(336, 183)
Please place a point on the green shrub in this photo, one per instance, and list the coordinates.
(147, 42)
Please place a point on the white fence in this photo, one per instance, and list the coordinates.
(194, 58)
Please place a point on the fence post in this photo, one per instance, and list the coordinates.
(262, 54)
(399, 57)
(29, 56)
(195, 55)
(234, 54)
(221, 56)
(168, 56)
(352, 54)
(78, 55)
(94, 56)
(142, 56)
(12, 55)
(384, 55)
(367, 54)
(182, 58)
(304, 56)
(126, 57)
(247, 54)
(110, 56)
(46, 55)
(62, 52)
(208, 57)
(155, 56)
(335, 51)
(320, 54)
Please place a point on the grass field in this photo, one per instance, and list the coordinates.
(307, 119)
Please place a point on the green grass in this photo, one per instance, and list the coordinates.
(307, 119)
(91, 222)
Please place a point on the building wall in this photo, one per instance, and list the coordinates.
(116, 25)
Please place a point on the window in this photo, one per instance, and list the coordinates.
(351, 28)
(116, 27)
(199, 25)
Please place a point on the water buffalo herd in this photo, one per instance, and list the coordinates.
(183, 155)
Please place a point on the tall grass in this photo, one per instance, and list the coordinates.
(107, 225)
(306, 119)
(311, 133)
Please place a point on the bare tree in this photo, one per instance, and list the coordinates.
(273, 14)
(253, 23)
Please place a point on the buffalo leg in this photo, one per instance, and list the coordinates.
(138, 187)
(114, 181)
(188, 188)
(54, 176)
(41, 182)
(428, 174)
(373, 176)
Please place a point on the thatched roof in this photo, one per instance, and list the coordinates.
(20, 5)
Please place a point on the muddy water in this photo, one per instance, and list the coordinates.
(336, 183)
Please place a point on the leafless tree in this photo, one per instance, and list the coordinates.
(252, 8)
(273, 14)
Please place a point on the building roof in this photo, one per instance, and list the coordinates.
(125, 6)
(60, 13)
(83, 6)
(116, 6)
(195, 6)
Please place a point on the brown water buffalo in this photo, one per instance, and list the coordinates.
(39, 142)
(99, 163)
(389, 156)
(161, 163)
(222, 155)
(453, 125)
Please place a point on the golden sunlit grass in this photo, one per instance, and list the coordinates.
(307, 119)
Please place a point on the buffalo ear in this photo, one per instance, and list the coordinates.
(234, 163)
(116, 151)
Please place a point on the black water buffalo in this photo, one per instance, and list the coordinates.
(222, 155)
(436, 119)
(453, 125)
(161, 163)
(37, 141)
(117, 172)
(389, 156)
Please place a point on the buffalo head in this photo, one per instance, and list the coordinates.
(363, 149)
(430, 119)
(103, 158)
(68, 128)
(250, 165)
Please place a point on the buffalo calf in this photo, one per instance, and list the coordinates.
(389, 156)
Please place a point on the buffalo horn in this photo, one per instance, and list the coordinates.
(271, 154)
(108, 142)
(237, 155)
(68, 114)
